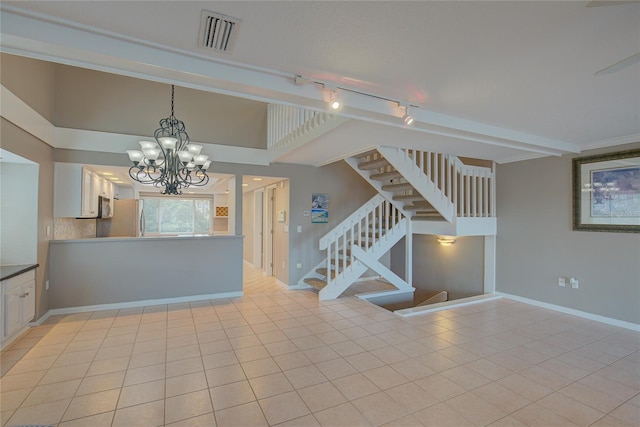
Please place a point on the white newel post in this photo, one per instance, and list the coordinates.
(408, 259)
(489, 264)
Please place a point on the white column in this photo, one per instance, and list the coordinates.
(489, 264)
(408, 254)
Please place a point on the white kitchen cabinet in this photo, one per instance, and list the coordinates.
(86, 196)
(76, 191)
(19, 304)
(106, 188)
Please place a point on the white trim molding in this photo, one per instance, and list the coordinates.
(22, 115)
(141, 303)
(574, 312)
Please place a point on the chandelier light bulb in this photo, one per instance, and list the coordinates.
(168, 142)
(200, 159)
(147, 144)
(194, 149)
(152, 153)
(185, 156)
(135, 156)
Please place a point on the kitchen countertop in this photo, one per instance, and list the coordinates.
(9, 271)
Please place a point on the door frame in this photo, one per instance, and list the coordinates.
(269, 228)
(258, 228)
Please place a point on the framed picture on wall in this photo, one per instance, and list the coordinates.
(319, 208)
(606, 192)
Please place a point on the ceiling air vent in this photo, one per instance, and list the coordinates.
(217, 31)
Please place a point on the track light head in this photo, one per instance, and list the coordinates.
(407, 118)
(334, 101)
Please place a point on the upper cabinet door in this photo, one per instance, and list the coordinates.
(87, 184)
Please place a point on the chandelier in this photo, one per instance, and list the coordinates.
(170, 162)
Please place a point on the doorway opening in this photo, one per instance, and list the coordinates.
(265, 201)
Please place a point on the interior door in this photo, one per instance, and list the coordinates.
(258, 227)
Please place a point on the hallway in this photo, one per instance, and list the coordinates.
(280, 357)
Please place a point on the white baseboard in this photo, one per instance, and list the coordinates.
(142, 303)
(596, 317)
(439, 306)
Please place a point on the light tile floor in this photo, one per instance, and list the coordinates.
(279, 357)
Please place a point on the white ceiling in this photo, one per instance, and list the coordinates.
(516, 78)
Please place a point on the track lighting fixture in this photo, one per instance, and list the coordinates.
(407, 118)
(334, 101)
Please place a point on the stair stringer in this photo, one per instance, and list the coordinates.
(421, 182)
(356, 268)
(366, 174)
(379, 268)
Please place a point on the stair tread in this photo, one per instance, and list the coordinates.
(373, 164)
(316, 283)
(407, 197)
(396, 187)
(434, 217)
(323, 271)
(422, 208)
(385, 175)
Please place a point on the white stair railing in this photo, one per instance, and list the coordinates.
(291, 127)
(373, 227)
(470, 188)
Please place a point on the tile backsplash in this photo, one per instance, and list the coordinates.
(73, 228)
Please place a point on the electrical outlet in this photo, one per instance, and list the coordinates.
(299, 265)
(574, 283)
(46, 285)
(562, 282)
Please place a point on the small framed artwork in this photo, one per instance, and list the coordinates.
(319, 208)
(606, 192)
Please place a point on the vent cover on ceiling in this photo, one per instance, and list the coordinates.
(217, 31)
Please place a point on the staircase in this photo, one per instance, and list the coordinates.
(439, 193)
(418, 192)
(355, 245)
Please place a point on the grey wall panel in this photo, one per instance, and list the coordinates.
(536, 244)
(457, 269)
(107, 271)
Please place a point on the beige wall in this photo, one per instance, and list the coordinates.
(536, 243)
(94, 100)
(30, 80)
(23, 144)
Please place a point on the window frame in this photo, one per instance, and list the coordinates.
(190, 197)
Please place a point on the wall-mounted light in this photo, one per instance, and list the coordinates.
(446, 240)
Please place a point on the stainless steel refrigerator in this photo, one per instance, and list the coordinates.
(125, 222)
